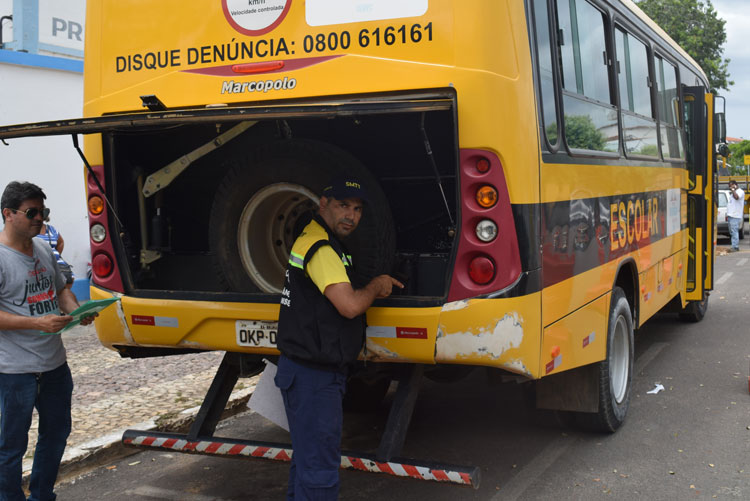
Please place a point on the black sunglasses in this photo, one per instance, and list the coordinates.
(32, 212)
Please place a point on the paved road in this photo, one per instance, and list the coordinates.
(114, 393)
(690, 441)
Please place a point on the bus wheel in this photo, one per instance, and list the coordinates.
(267, 197)
(694, 311)
(616, 371)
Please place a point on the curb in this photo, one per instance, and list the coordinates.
(107, 448)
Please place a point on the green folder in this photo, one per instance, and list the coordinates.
(86, 309)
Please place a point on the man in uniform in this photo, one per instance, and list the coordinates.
(33, 370)
(321, 332)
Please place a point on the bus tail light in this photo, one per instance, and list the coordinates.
(102, 265)
(486, 230)
(486, 196)
(98, 233)
(96, 205)
(483, 165)
(484, 262)
(481, 270)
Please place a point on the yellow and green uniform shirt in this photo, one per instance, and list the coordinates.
(311, 330)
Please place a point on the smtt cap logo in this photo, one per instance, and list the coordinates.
(255, 17)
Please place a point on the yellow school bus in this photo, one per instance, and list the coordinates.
(541, 175)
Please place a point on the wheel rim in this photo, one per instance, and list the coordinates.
(265, 232)
(619, 363)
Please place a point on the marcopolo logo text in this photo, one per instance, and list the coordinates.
(232, 87)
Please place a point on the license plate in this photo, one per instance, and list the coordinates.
(256, 334)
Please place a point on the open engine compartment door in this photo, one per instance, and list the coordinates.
(222, 190)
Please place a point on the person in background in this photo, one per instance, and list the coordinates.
(34, 372)
(49, 234)
(735, 209)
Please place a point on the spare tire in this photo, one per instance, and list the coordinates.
(268, 195)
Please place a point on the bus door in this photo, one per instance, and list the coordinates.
(699, 106)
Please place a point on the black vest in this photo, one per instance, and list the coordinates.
(311, 330)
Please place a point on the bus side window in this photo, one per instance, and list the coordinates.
(669, 106)
(546, 81)
(688, 117)
(590, 118)
(638, 123)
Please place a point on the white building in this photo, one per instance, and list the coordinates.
(41, 78)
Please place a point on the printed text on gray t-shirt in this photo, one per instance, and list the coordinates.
(28, 287)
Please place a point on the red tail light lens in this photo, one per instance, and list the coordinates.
(102, 265)
(483, 165)
(481, 270)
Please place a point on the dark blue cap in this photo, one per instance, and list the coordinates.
(345, 187)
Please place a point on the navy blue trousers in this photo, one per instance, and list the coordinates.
(312, 399)
(50, 392)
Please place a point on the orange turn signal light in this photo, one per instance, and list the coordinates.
(96, 205)
(486, 196)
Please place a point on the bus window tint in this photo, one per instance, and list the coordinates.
(544, 58)
(669, 108)
(565, 33)
(590, 119)
(590, 126)
(623, 80)
(638, 76)
(689, 139)
(595, 80)
(638, 125)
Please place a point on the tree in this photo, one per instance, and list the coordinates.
(694, 25)
(736, 159)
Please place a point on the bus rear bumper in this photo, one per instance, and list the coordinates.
(502, 333)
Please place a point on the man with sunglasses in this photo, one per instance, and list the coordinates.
(33, 368)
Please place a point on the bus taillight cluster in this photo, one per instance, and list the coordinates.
(488, 258)
(105, 272)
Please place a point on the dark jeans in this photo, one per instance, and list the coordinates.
(312, 399)
(50, 392)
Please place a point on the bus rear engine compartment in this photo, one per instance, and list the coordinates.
(215, 207)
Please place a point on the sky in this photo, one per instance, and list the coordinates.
(737, 48)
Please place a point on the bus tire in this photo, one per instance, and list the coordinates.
(267, 197)
(694, 311)
(615, 372)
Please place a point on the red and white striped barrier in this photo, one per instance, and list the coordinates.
(460, 475)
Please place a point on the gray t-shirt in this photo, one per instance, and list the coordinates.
(28, 287)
